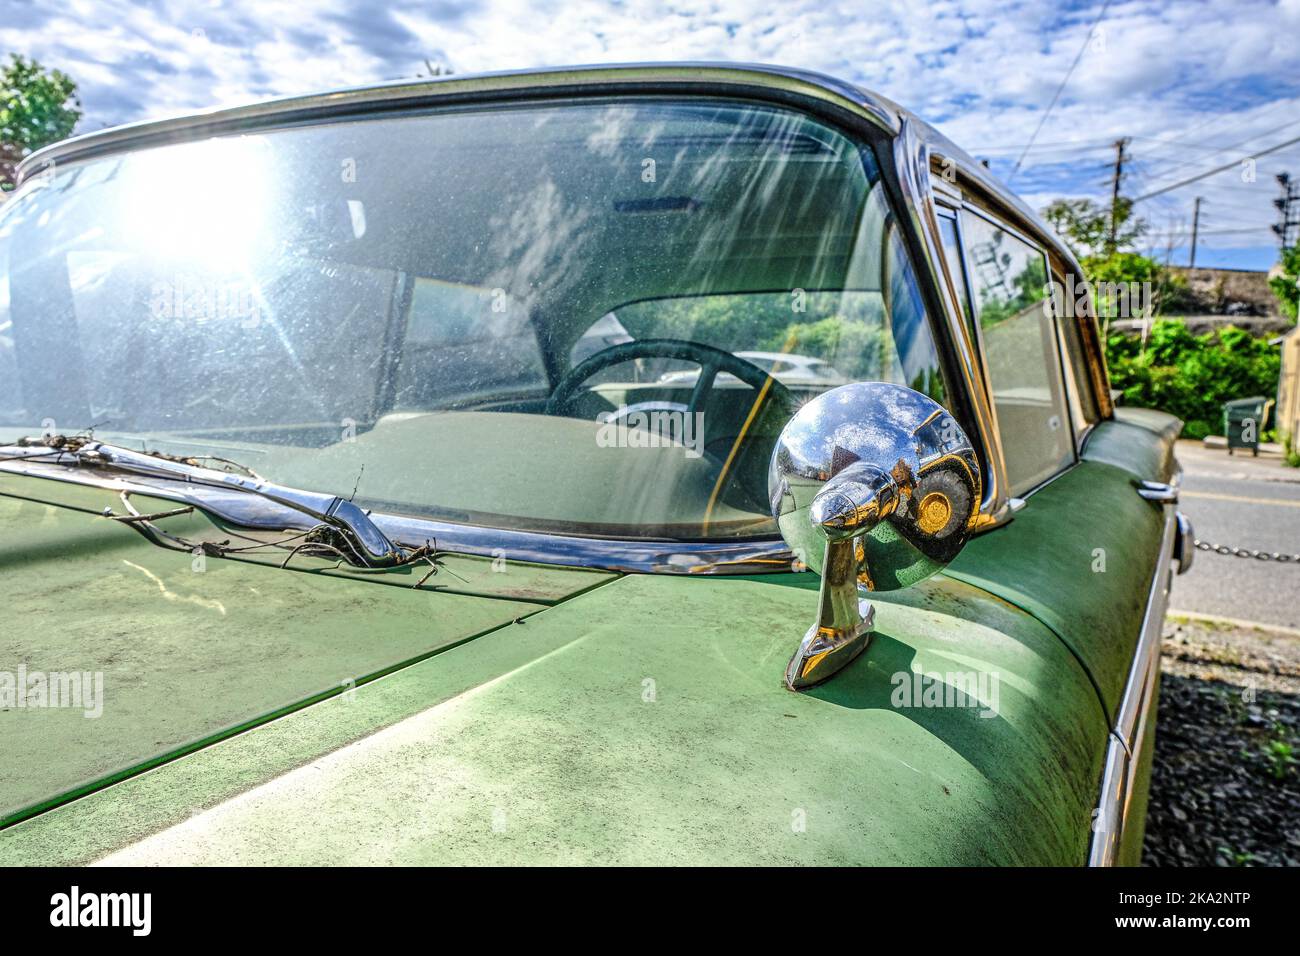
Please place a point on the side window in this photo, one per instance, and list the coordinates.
(1021, 352)
(1071, 316)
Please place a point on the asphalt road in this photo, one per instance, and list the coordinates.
(1247, 503)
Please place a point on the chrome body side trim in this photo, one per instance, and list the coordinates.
(625, 555)
(1124, 751)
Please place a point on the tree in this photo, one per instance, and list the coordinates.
(1168, 291)
(1085, 226)
(37, 107)
(1284, 286)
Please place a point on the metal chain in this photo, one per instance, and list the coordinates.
(1281, 558)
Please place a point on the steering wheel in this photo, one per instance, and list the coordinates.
(710, 360)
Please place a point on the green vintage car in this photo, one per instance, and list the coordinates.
(647, 464)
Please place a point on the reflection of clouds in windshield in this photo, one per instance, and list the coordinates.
(538, 242)
(611, 131)
(620, 129)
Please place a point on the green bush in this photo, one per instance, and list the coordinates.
(1168, 291)
(1191, 376)
(1289, 453)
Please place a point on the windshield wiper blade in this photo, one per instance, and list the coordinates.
(370, 547)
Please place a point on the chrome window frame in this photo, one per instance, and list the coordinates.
(993, 203)
(992, 199)
(948, 208)
(1084, 391)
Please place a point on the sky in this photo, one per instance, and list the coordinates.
(1194, 85)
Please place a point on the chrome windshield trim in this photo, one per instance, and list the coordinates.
(762, 79)
(658, 556)
(1124, 751)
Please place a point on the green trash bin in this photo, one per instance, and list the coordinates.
(1243, 420)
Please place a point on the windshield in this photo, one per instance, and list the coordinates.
(587, 318)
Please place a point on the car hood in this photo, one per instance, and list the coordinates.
(150, 653)
(643, 720)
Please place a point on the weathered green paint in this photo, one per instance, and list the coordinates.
(457, 574)
(1079, 557)
(1139, 440)
(1081, 554)
(189, 656)
(544, 728)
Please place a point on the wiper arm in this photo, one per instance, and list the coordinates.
(370, 547)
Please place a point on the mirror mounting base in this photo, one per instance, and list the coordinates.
(821, 655)
(844, 621)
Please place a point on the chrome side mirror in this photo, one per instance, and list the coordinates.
(875, 487)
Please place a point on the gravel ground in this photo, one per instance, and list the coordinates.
(1225, 785)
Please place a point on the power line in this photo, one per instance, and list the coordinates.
(1079, 146)
(1052, 105)
(1231, 221)
(1217, 169)
(1214, 119)
(1168, 161)
(1173, 144)
(1233, 232)
(1238, 145)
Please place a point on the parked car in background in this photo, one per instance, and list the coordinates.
(793, 371)
(363, 534)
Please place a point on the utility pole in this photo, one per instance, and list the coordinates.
(1114, 190)
(1196, 222)
(1290, 199)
